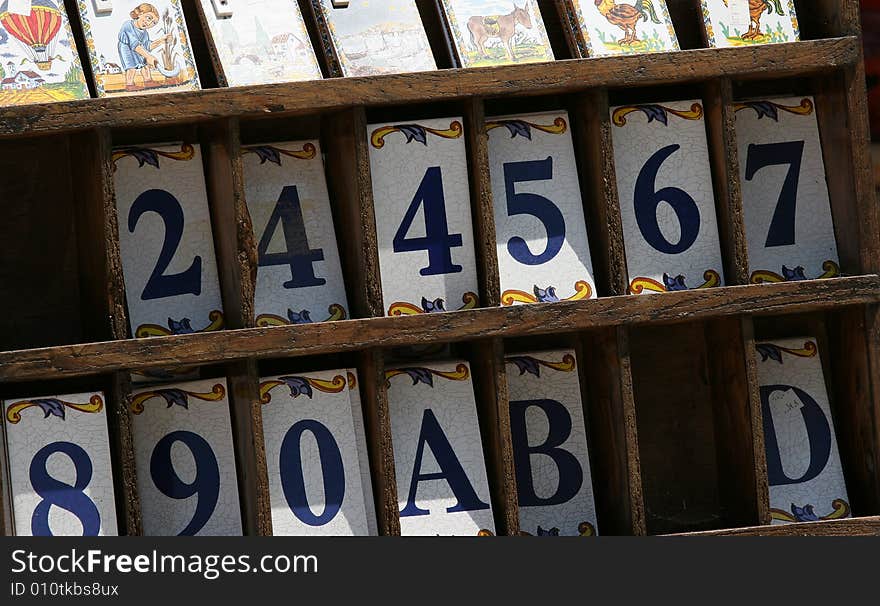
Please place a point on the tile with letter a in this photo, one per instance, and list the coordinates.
(745, 22)
(423, 216)
(442, 486)
(549, 437)
(645, 27)
(299, 278)
(58, 465)
(166, 241)
(185, 459)
(667, 203)
(803, 463)
(313, 455)
(789, 229)
(543, 252)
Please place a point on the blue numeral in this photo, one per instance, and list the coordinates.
(782, 226)
(206, 483)
(168, 208)
(646, 201)
(537, 206)
(300, 258)
(437, 241)
(293, 483)
(59, 494)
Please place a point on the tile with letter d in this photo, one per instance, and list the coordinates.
(789, 229)
(313, 455)
(299, 277)
(549, 437)
(185, 459)
(667, 202)
(746, 22)
(442, 486)
(166, 241)
(543, 252)
(423, 216)
(803, 462)
(58, 465)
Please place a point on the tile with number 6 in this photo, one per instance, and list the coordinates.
(667, 202)
(423, 216)
(58, 466)
(185, 459)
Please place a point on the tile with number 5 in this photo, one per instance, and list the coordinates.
(185, 459)
(667, 202)
(789, 229)
(58, 466)
(299, 277)
(166, 241)
(543, 252)
(423, 216)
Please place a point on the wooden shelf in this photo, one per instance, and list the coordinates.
(496, 322)
(850, 527)
(756, 62)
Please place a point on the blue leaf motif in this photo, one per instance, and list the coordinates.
(793, 275)
(414, 132)
(435, 306)
(552, 532)
(50, 406)
(676, 283)
(267, 153)
(804, 514)
(765, 108)
(303, 317)
(655, 112)
(183, 327)
(545, 296)
(518, 127)
(525, 365)
(420, 375)
(298, 386)
(174, 396)
(769, 351)
(146, 156)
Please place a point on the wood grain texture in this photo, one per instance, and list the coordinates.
(853, 527)
(128, 503)
(298, 98)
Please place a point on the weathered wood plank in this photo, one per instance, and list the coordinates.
(852, 527)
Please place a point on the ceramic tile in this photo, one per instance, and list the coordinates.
(747, 22)
(609, 27)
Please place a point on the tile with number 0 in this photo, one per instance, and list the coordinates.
(442, 485)
(166, 241)
(667, 202)
(543, 252)
(607, 27)
(789, 229)
(299, 277)
(58, 465)
(423, 216)
(185, 459)
(549, 438)
(313, 433)
(803, 462)
(747, 22)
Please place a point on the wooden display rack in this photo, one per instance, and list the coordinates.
(670, 382)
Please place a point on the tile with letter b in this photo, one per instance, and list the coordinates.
(442, 486)
(166, 241)
(803, 463)
(299, 277)
(543, 252)
(744, 22)
(423, 216)
(313, 455)
(600, 31)
(549, 438)
(58, 466)
(667, 202)
(185, 459)
(789, 228)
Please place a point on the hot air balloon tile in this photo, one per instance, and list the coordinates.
(138, 47)
(38, 58)
(747, 22)
(600, 28)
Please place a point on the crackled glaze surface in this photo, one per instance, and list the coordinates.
(730, 25)
(605, 34)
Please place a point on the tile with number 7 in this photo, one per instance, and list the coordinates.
(789, 229)
(423, 216)
(667, 201)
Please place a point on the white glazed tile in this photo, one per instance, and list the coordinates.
(436, 402)
(496, 23)
(69, 432)
(803, 245)
(537, 153)
(378, 37)
(263, 41)
(675, 254)
(803, 462)
(200, 308)
(406, 159)
(727, 21)
(652, 29)
(294, 170)
(111, 58)
(197, 411)
(555, 487)
(312, 416)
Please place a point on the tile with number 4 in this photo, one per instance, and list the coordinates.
(423, 216)
(803, 463)
(667, 202)
(185, 459)
(299, 277)
(543, 252)
(789, 229)
(58, 466)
